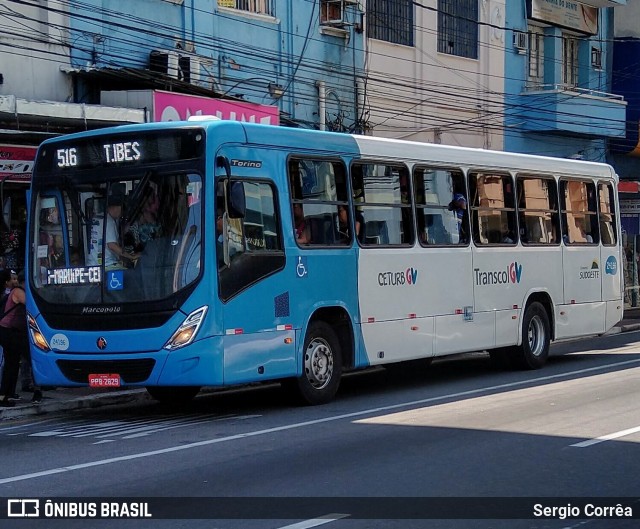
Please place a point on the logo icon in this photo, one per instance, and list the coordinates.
(611, 265)
(515, 272)
(301, 268)
(412, 276)
(23, 508)
(101, 343)
(115, 280)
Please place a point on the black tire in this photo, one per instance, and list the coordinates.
(321, 365)
(536, 337)
(173, 394)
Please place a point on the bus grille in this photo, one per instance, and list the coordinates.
(130, 371)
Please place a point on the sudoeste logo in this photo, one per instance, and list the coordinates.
(611, 266)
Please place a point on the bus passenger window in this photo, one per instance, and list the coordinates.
(384, 200)
(318, 188)
(492, 207)
(606, 201)
(441, 206)
(579, 212)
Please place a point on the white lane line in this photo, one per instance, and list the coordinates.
(315, 522)
(286, 427)
(608, 437)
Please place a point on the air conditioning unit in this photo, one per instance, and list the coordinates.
(520, 41)
(333, 12)
(165, 62)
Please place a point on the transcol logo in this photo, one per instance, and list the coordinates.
(394, 279)
(511, 274)
(611, 266)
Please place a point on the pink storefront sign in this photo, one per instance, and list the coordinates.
(175, 107)
(16, 162)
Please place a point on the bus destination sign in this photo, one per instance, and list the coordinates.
(121, 149)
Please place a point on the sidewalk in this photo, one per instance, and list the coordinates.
(67, 399)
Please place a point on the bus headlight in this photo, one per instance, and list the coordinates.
(185, 334)
(37, 337)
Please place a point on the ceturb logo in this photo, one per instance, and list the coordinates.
(394, 279)
(511, 274)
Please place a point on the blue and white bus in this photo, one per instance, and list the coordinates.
(201, 278)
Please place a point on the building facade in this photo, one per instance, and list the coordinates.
(558, 95)
(435, 71)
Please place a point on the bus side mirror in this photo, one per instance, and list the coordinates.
(236, 200)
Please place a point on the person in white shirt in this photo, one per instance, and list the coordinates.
(114, 251)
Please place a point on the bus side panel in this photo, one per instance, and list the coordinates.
(454, 334)
(503, 278)
(582, 274)
(259, 356)
(398, 340)
(394, 289)
(580, 319)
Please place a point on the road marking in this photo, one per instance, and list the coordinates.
(608, 437)
(304, 424)
(315, 522)
(127, 428)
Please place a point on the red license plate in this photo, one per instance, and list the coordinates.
(104, 381)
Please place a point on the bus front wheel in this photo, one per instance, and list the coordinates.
(322, 365)
(173, 394)
(536, 337)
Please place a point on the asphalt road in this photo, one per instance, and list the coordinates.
(460, 430)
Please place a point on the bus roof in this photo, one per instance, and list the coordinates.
(370, 147)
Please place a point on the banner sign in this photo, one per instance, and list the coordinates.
(16, 162)
(567, 14)
(168, 106)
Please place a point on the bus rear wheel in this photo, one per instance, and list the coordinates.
(536, 337)
(322, 365)
(173, 394)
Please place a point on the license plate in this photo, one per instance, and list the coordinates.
(104, 381)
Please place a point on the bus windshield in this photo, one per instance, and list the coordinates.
(135, 239)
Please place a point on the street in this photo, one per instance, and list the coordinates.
(461, 430)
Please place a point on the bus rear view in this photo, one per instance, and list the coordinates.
(116, 250)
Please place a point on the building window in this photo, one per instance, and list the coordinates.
(458, 27)
(253, 6)
(391, 20)
(569, 60)
(536, 55)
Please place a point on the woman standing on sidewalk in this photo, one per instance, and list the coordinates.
(15, 342)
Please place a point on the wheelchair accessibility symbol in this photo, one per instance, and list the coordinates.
(115, 280)
(301, 269)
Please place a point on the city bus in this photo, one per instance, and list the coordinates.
(168, 256)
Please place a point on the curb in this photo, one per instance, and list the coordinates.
(54, 405)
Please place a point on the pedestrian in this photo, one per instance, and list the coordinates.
(8, 280)
(15, 342)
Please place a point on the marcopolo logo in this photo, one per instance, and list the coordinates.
(611, 266)
(394, 279)
(511, 274)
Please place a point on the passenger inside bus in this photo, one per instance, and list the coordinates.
(343, 225)
(300, 225)
(145, 228)
(114, 249)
